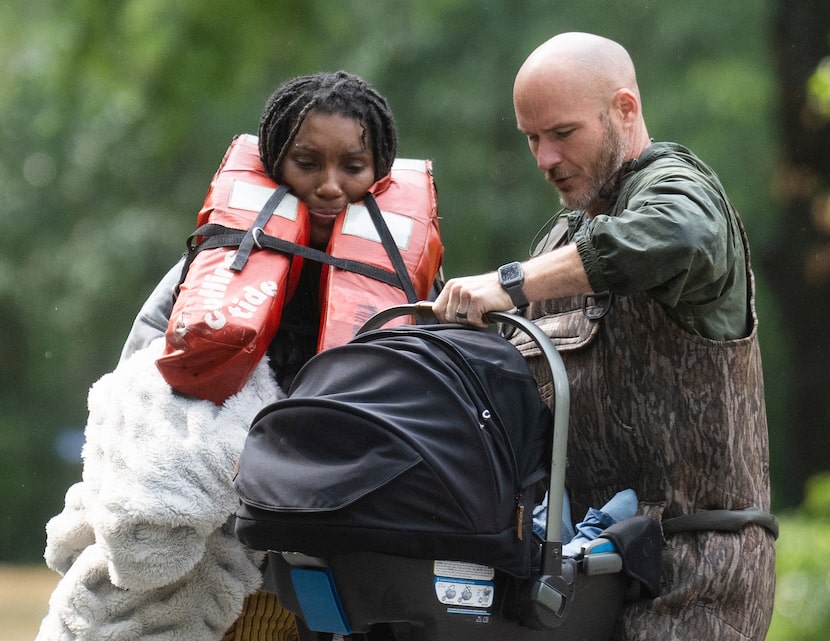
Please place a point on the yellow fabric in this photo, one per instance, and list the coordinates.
(263, 619)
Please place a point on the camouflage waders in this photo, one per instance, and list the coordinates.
(680, 419)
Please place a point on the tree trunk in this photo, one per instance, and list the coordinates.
(798, 263)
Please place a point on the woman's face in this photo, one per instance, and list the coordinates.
(328, 166)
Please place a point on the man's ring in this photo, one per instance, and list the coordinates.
(461, 315)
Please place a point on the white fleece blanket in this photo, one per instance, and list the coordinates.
(145, 541)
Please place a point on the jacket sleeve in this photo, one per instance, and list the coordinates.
(152, 319)
(676, 236)
(672, 239)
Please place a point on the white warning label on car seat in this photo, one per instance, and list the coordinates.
(463, 570)
(464, 587)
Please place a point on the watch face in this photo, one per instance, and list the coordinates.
(510, 273)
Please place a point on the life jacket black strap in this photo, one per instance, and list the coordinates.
(249, 240)
(214, 235)
(391, 248)
(219, 236)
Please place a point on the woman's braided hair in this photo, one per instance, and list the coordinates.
(338, 93)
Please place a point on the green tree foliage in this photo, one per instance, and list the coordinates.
(802, 600)
(114, 116)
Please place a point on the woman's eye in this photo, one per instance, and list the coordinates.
(302, 160)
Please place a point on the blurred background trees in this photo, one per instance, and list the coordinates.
(114, 116)
(797, 259)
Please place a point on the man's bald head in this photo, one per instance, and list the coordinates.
(584, 63)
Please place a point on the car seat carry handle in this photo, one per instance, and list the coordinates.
(421, 310)
(561, 394)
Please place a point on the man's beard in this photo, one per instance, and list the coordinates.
(608, 160)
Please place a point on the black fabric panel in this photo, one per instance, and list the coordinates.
(407, 441)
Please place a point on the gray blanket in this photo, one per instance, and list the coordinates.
(145, 542)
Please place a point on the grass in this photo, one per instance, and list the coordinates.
(24, 600)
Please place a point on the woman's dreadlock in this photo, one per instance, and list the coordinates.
(338, 93)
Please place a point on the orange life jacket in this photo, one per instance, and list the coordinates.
(246, 255)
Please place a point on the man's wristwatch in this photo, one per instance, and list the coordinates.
(511, 278)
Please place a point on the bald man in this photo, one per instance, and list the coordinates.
(645, 286)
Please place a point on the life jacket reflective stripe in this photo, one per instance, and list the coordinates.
(229, 304)
(409, 207)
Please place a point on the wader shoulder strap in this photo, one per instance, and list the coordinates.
(725, 520)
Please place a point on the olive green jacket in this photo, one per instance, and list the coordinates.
(671, 231)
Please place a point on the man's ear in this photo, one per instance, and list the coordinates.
(627, 105)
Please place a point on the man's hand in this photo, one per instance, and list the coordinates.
(466, 300)
(554, 274)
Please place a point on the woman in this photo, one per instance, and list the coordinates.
(145, 541)
(330, 137)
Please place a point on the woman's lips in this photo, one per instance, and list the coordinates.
(326, 214)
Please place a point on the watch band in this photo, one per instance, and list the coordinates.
(511, 278)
